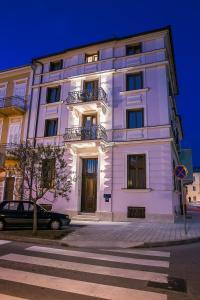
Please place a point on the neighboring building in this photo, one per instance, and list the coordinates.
(14, 92)
(193, 190)
(112, 106)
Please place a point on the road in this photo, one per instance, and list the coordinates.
(29, 271)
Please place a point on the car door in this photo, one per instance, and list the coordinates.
(44, 217)
(28, 213)
(9, 212)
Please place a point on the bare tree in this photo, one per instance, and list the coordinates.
(42, 170)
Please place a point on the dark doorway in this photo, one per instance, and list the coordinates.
(89, 185)
(9, 188)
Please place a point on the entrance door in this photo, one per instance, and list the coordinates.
(9, 188)
(89, 131)
(89, 185)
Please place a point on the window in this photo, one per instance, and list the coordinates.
(48, 172)
(28, 206)
(10, 206)
(91, 57)
(194, 198)
(133, 49)
(53, 94)
(135, 212)
(136, 171)
(56, 65)
(194, 188)
(134, 81)
(51, 127)
(135, 118)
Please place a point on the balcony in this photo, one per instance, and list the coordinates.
(84, 135)
(6, 153)
(86, 100)
(14, 105)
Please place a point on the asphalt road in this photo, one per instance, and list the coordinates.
(29, 271)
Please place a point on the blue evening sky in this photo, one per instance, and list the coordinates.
(37, 27)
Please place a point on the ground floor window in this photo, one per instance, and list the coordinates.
(136, 171)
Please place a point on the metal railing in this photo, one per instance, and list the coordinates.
(96, 132)
(86, 96)
(8, 148)
(13, 101)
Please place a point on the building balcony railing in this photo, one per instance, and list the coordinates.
(12, 105)
(87, 96)
(6, 152)
(96, 132)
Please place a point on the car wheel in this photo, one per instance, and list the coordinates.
(55, 225)
(2, 225)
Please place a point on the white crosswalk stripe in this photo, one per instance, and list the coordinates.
(8, 297)
(124, 273)
(3, 242)
(33, 259)
(80, 287)
(119, 259)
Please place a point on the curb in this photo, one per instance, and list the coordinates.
(167, 243)
(65, 244)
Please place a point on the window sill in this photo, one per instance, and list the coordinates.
(53, 103)
(50, 136)
(137, 190)
(134, 91)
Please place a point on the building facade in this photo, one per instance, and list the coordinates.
(112, 106)
(193, 190)
(14, 95)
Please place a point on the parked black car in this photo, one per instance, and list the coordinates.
(20, 214)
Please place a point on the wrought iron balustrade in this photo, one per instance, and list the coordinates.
(13, 101)
(8, 148)
(87, 96)
(96, 132)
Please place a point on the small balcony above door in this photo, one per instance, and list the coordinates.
(14, 105)
(89, 99)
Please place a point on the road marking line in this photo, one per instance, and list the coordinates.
(79, 287)
(54, 263)
(8, 297)
(140, 252)
(90, 255)
(2, 242)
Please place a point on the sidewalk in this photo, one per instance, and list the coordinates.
(133, 234)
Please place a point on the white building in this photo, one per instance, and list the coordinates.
(193, 190)
(112, 105)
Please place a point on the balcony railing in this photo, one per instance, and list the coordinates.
(8, 148)
(96, 132)
(6, 151)
(14, 101)
(86, 96)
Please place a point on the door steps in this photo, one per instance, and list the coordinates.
(85, 217)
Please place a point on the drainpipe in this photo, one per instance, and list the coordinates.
(33, 66)
(28, 125)
(112, 144)
(38, 106)
(37, 118)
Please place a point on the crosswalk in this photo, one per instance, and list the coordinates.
(117, 274)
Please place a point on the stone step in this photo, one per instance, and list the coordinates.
(85, 217)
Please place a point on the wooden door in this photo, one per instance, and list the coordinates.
(9, 188)
(89, 185)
